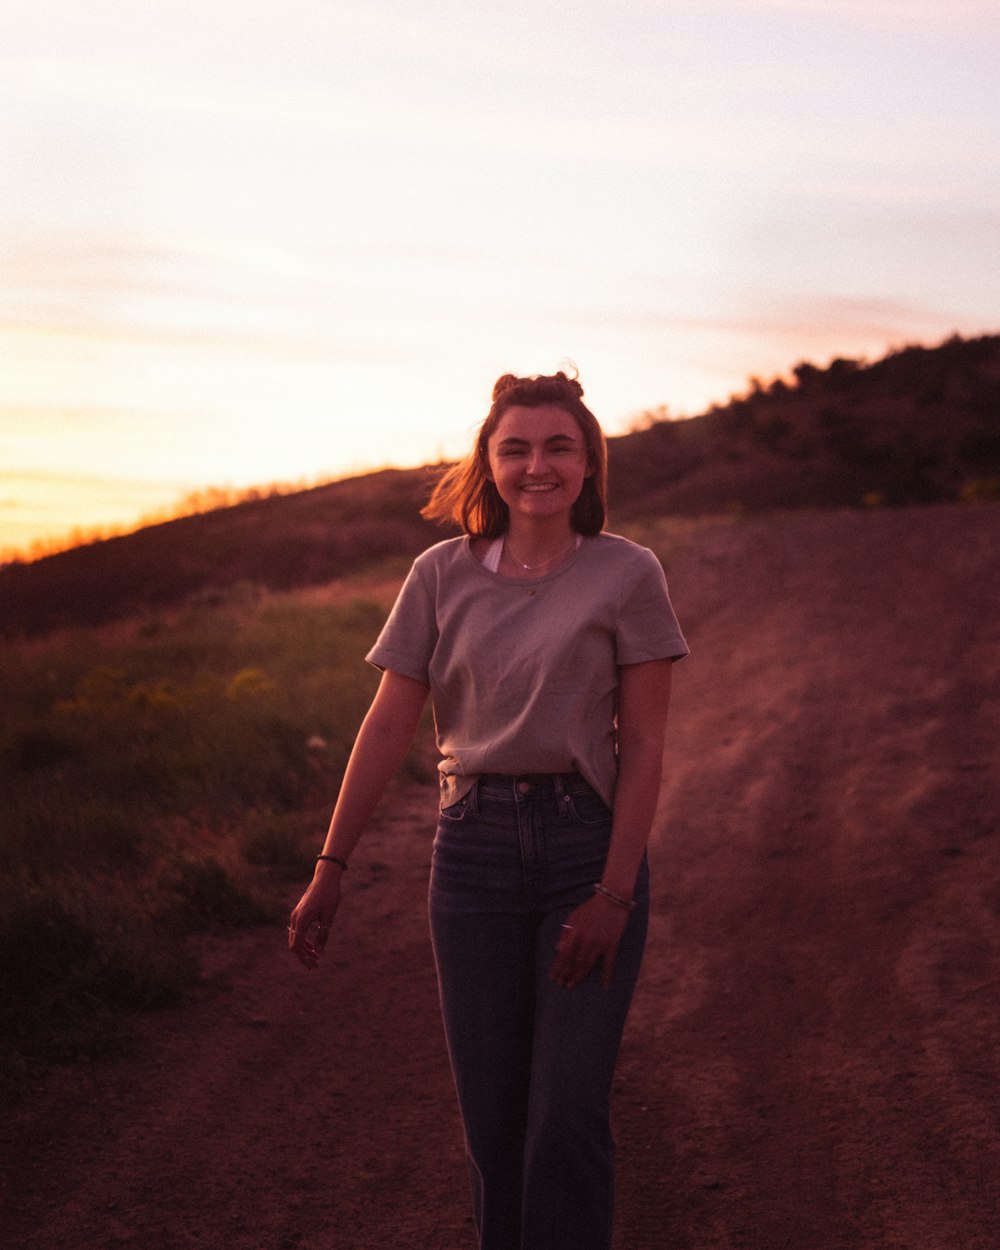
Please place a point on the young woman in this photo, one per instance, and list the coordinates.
(546, 646)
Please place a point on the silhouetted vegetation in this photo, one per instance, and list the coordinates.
(920, 426)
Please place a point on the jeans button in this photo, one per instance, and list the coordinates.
(524, 786)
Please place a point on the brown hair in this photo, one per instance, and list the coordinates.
(465, 494)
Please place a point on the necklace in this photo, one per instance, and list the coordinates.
(530, 568)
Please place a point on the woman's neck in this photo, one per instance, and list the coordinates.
(538, 548)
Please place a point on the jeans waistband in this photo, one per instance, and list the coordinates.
(517, 787)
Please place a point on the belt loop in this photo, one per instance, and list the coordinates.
(473, 799)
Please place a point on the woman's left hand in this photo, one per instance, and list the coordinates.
(590, 935)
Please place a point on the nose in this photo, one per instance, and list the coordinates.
(537, 462)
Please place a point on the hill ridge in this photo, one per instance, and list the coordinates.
(921, 425)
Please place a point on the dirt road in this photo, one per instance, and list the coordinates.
(812, 1059)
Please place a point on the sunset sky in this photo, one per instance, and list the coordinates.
(260, 241)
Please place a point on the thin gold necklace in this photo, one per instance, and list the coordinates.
(530, 568)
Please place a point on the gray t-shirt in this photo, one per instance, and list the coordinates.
(524, 674)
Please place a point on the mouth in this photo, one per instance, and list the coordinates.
(536, 488)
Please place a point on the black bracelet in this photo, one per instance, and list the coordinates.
(334, 859)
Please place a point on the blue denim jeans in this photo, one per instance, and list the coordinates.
(532, 1061)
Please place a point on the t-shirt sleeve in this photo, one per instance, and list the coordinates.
(410, 634)
(647, 628)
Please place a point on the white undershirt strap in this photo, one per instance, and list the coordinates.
(494, 553)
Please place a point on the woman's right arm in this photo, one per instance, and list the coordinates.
(383, 740)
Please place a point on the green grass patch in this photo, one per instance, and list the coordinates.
(155, 777)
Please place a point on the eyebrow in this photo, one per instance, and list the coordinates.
(523, 442)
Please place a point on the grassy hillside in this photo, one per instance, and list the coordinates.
(920, 426)
(159, 778)
(302, 539)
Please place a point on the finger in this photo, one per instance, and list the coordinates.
(298, 943)
(307, 954)
(584, 965)
(574, 968)
(561, 966)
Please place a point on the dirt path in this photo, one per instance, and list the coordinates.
(812, 1058)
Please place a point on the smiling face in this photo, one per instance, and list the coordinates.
(538, 460)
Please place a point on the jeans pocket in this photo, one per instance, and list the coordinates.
(456, 813)
(587, 806)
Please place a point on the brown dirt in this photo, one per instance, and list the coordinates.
(811, 1061)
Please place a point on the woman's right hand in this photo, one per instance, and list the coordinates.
(383, 740)
(317, 907)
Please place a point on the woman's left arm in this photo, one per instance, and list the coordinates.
(595, 928)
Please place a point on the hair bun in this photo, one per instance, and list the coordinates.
(558, 382)
(504, 384)
(570, 384)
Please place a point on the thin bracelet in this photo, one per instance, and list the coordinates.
(626, 904)
(334, 859)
